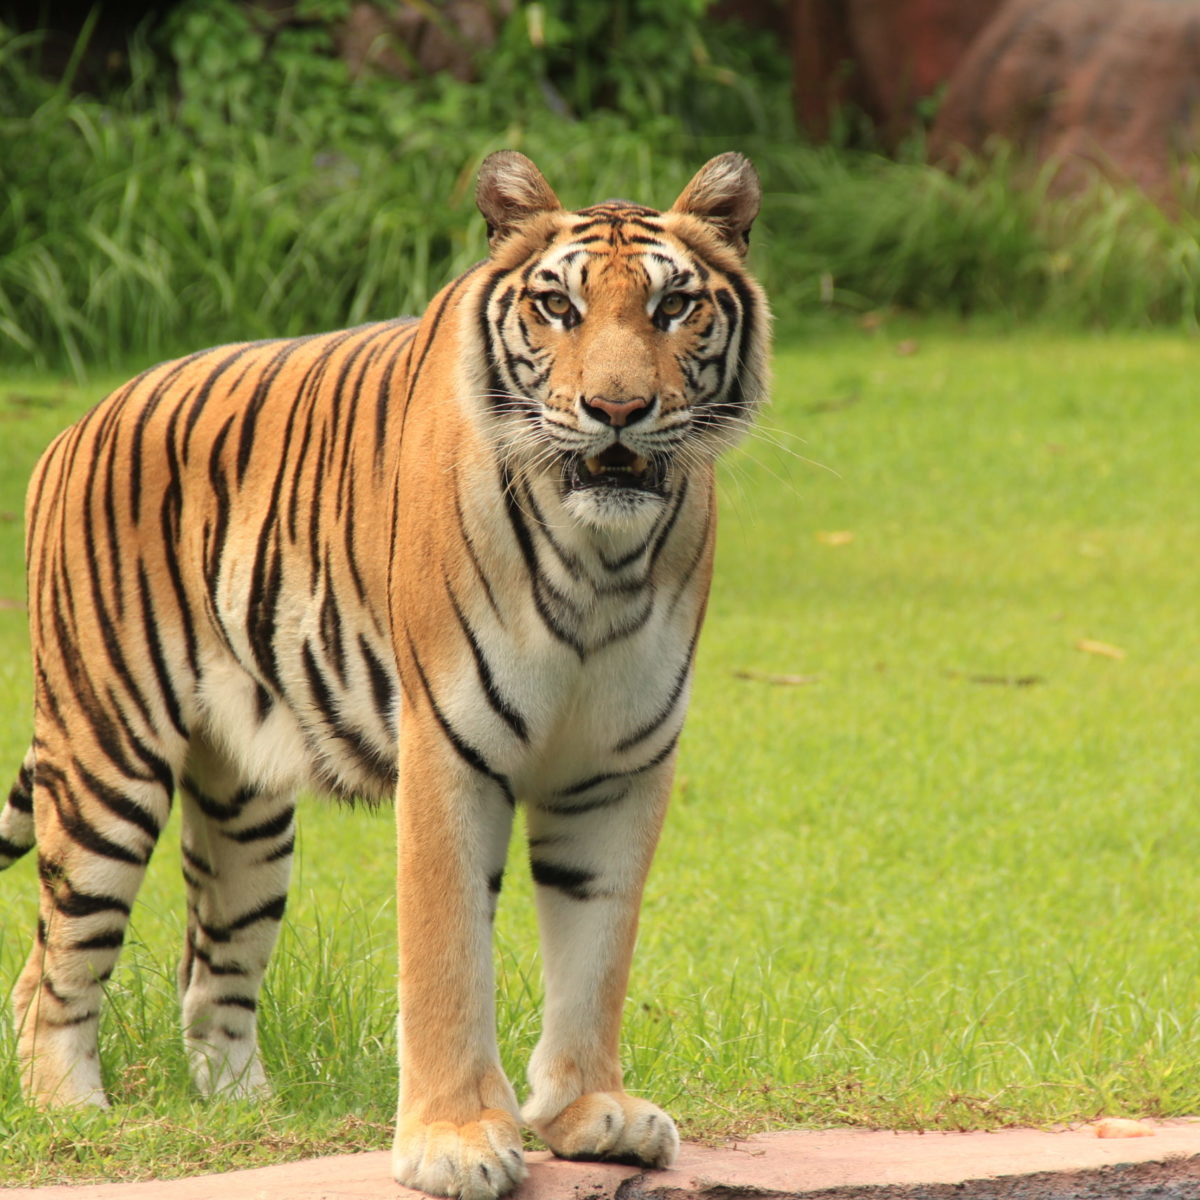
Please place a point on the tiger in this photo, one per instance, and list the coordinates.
(453, 562)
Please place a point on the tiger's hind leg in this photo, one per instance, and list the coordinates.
(99, 804)
(237, 856)
(16, 818)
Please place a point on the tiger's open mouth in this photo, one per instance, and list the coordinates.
(616, 467)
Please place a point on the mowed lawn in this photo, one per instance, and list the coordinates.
(931, 860)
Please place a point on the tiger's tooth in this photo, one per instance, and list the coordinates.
(639, 465)
(593, 465)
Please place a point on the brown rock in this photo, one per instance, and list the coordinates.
(408, 41)
(1108, 85)
(882, 56)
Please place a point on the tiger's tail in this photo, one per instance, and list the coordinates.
(16, 818)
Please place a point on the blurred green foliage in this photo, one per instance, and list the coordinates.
(245, 184)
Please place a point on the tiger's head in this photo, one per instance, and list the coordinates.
(625, 347)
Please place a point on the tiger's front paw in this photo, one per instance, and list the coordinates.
(478, 1161)
(612, 1127)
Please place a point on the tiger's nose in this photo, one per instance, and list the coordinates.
(618, 413)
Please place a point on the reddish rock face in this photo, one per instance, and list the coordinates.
(410, 40)
(883, 56)
(1112, 85)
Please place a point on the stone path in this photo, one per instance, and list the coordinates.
(836, 1164)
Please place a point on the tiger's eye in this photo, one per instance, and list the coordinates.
(556, 304)
(672, 304)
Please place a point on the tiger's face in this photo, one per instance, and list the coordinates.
(626, 346)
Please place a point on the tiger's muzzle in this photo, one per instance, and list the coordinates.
(618, 467)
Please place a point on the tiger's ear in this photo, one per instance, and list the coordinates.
(511, 190)
(726, 193)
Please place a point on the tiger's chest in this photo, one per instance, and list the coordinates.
(550, 655)
(548, 718)
(574, 650)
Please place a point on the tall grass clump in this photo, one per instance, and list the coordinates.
(866, 232)
(243, 186)
(241, 192)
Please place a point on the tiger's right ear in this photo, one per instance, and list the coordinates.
(510, 191)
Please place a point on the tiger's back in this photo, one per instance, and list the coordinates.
(463, 560)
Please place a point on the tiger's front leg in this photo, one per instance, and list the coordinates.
(590, 850)
(457, 1123)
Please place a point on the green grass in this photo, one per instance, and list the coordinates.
(949, 881)
(146, 223)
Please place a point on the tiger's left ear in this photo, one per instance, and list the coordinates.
(726, 193)
(510, 190)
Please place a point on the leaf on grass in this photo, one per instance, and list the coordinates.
(782, 680)
(835, 537)
(1103, 649)
(9, 602)
(907, 348)
(999, 680)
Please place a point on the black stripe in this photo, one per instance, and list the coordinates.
(569, 562)
(118, 803)
(382, 688)
(218, 810)
(408, 330)
(113, 940)
(157, 658)
(451, 292)
(499, 705)
(112, 537)
(368, 758)
(21, 796)
(249, 413)
(578, 789)
(266, 829)
(659, 719)
(670, 523)
(266, 584)
(485, 332)
(360, 588)
(246, 1002)
(694, 563)
(472, 554)
(609, 800)
(205, 390)
(620, 632)
(80, 832)
(68, 1022)
(108, 626)
(170, 520)
(536, 579)
(86, 904)
(12, 850)
(213, 968)
(571, 881)
(331, 627)
(221, 505)
(196, 862)
(308, 394)
(148, 406)
(284, 850)
(472, 757)
(269, 910)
